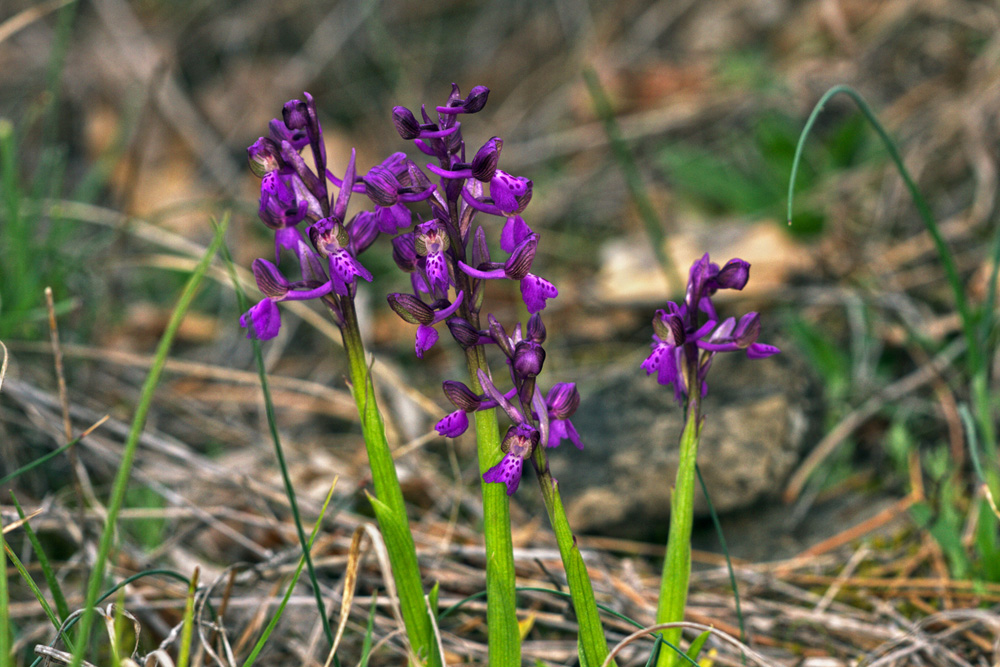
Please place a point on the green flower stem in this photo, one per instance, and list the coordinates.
(504, 641)
(390, 508)
(593, 646)
(677, 564)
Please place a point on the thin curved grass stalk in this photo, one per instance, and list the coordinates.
(280, 455)
(679, 625)
(132, 443)
(5, 644)
(43, 562)
(725, 552)
(976, 356)
(291, 585)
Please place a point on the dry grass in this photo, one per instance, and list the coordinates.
(215, 500)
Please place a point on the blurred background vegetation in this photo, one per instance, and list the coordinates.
(123, 128)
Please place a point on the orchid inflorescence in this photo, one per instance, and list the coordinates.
(446, 274)
(535, 420)
(683, 348)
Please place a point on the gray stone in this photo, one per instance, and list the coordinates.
(755, 428)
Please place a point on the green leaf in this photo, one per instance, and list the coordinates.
(43, 562)
(120, 485)
(698, 644)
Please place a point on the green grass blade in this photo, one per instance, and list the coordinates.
(26, 576)
(120, 485)
(729, 562)
(697, 645)
(366, 645)
(184, 654)
(41, 460)
(262, 641)
(43, 562)
(6, 659)
(977, 356)
(272, 424)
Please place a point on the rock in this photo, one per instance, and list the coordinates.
(756, 416)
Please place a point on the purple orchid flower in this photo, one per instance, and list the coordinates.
(680, 343)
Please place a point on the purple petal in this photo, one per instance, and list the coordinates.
(761, 350)
(262, 321)
(507, 471)
(426, 337)
(343, 268)
(437, 272)
(505, 189)
(514, 231)
(454, 425)
(535, 291)
(391, 219)
(563, 429)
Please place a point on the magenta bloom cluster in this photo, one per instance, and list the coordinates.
(447, 256)
(445, 251)
(534, 419)
(687, 337)
(297, 203)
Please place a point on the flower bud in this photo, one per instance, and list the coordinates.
(528, 359)
(406, 123)
(411, 309)
(270, 280)
(476, 99)
(404, 252)
(363, 231)
(381, 186)
(461, 396)
(734, 275)
(264, 156)
(484, 165)
(519, 262)
(463, 332)
(563, 400)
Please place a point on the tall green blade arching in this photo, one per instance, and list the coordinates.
(976, 355)
(262, 641)
(120, 484)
